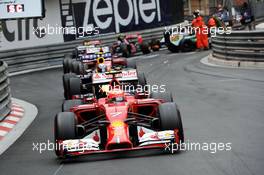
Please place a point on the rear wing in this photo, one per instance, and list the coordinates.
(125, 75)
(88, 53)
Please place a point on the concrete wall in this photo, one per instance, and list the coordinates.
(64, 18)
(20, 33)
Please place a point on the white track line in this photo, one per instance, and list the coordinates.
(60, 167)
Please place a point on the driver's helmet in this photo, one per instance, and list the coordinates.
(121, 37)
(196, 13)
(116, 95)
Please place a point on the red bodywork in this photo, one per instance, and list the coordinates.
(135, 37)
(133, 40)
(116, 114)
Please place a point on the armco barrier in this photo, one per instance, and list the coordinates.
(239, 46)
(5, 96)
(51, 55)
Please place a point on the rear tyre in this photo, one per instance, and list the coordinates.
(68, 104)
(75, 67)
(155, 45)
(81, 69)
(170, 118)
(70, 65)
(145, 48)
(66, 63)
(65, 80)
(75, 53)
(64, 128)
(187, 46)
(124, 50)
(74, 87)
(166, 96)
(173, 49)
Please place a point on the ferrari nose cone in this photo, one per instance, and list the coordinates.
(118, 136)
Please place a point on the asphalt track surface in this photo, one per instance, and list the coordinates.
(217, 105)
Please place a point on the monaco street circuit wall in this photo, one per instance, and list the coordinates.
(104, 16)
(19, 33)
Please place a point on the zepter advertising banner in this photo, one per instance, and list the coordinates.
(13, 9)
(118, 16)
(66, 20)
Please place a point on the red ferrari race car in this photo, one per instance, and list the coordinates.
(122, 121)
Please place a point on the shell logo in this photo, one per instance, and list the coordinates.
(167, 134)
(70, 144)
(117, 124)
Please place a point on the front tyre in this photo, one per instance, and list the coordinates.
(64, 129)
(170, 119)
(165, 96)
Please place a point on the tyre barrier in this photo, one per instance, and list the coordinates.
(51, 55)
(5, 95)
(241, 46)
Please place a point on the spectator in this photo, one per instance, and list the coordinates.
(223, 15)
(247, 17)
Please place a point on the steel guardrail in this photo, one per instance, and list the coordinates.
(51, 55)
(239, 46)
(5, 96)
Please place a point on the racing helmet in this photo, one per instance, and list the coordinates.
(116, 95)
(121, 37)
(196, 13)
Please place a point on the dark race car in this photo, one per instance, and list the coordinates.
(183, 41)
(93, 61)
(85, 57)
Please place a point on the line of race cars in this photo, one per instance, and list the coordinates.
(107, 110)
